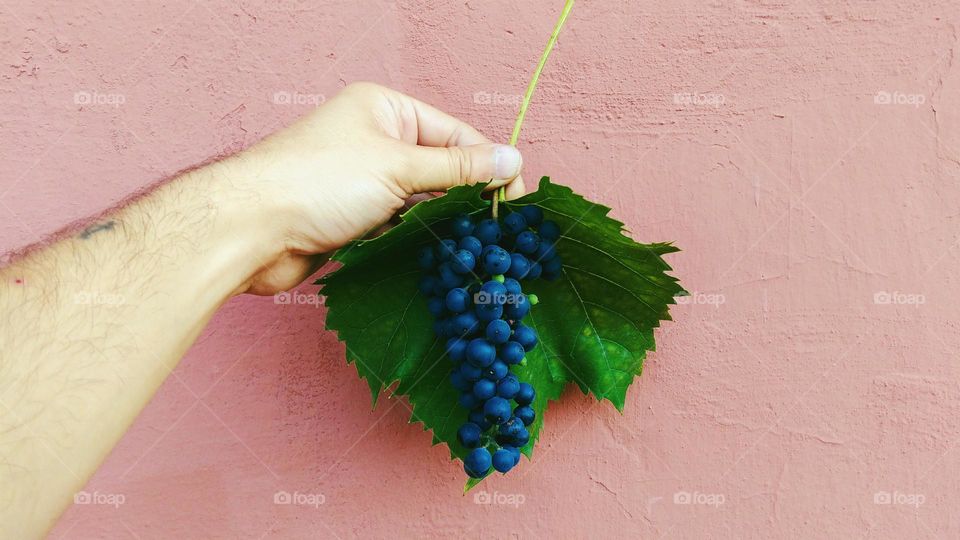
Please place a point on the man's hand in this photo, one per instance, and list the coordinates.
(92, 324)
(344, 170)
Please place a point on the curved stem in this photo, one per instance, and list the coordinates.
(501, 194)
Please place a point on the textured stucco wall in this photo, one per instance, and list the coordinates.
(787, 394)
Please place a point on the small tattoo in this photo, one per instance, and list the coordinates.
(94, 229)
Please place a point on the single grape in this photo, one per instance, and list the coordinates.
(503, 460)
(480, 352)
(497, 410)
(457, 349)
(458, 300)
(458, 382)
(471, 244)
(526, 414)
(465, 324)
(496, 261)
(554, 265)
(512, 286)
(427, 285)
(461, 226)
(477, 463)
(511, 352)
(476, 416)
(512, 428)
(449, 278)
(519, 266)
(484, 389)
(426, 258)
(469, 435)
(549, 230)
(546, 252)
(508, 387)
(517, 309)
(514, 223)
(492, 292)
(523, 438)
(463, 261)
(468, 400)
(435, 306)
(488, 232)
(516, 453)
(533, 214)
(525, 336)
(498, 331)
(488, 312)
(527, 242)
(497, 370)
(471, 372)
(445, 249)
(536, 270)
(525, 395)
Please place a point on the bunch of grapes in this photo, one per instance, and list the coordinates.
(472, 285)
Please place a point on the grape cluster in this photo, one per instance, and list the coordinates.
(472, 285)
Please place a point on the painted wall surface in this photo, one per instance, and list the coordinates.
(805, 155)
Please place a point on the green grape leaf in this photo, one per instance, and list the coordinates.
(595, 323)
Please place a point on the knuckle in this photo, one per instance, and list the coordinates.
(459, 163)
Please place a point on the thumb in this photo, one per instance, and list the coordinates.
(438, 169)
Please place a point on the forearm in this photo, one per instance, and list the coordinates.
(92, 325)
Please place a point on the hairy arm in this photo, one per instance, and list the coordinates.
(92, 324)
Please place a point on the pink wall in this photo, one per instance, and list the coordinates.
(789, 398)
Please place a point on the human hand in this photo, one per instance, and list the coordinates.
(346, 168)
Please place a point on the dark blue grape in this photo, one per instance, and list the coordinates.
(511, 352)
(497, 370)
(523, 438)
(458, 382)
(457, 349)
(463, 262)
(497, 410)
(496, 261)
(426, 258)
(484, 389)
(508, 387)
(480, 352)
(464, 324)
(435, 306)
(488, 232)
(427, 285)
(527, 242)
(488, 312)
(477, 463)
(526, 414)
(476, 416)
(471, 244)
(545, 252)
(516, 453)
(496, 293)
(514, 223)
(503, 460)
(549, 230)
(468, 400)
(449, 278)
(469, 435)
(445, 249)
(533, 215)
(526, 336)
(498, 331)
(518, 309)
(536, 270)
(457, 300)
(525, 395)
(470, 372)
(512, 286)
(461, 226)
(519, 266)
(511, 428)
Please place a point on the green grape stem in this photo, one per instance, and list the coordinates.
(501, 194)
